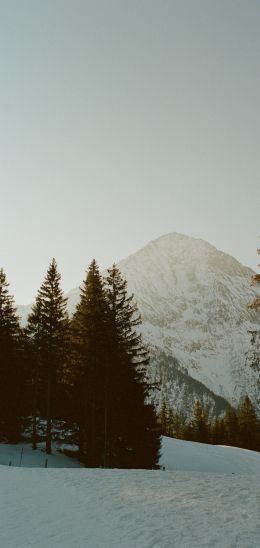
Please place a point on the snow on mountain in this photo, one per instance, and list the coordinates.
(193, 301)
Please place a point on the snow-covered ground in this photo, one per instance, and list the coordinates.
(22, 455)
(183, 455)
(83, 508)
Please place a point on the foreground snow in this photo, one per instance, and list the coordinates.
(67, 508)
(83, 508)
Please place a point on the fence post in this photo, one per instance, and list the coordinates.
(21, 457)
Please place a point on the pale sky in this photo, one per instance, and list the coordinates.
(123, 120)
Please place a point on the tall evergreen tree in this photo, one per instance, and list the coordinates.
(10, 361)
(48, 328)
(35, 350)
(230, 426)
(248, 425)
(217, 431)
(90, 358)
(200, 423)
(133, 439)
(163, 418)
(176, 425)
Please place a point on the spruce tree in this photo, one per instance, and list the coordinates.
(48, 329)
(217, 431)
(10, 364)
(176, 425)
(248, 425)
(231, 426)
(89, 371)
(132, 431)
(200, 423)
(163, 418)
(35, 350)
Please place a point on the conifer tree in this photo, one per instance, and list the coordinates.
(90, 358)
(200, 423)
(217, 431)
(248, 425)
(163, 418)
(10, 370)
(188, 432)
(48, 328)
(35, 349)
(171, 424)
(176, 425)
(132, 432)
(230, 426)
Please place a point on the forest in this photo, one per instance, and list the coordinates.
(237, 427)
(83, 378)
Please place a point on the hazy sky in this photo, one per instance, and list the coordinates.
(122, 120)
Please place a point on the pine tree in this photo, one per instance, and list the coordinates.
(230, 426)
(132, 432)
(217, 431)
(176, 425)
(171, 424)
(90, 357)
(10, 361)
(163, 418)
(248, 425)
(48, 329)
(35, 349)
(200, 423)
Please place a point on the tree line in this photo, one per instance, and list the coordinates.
(88, 372)
(239, 428)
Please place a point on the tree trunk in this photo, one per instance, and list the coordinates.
(34, 424)
(48, 415)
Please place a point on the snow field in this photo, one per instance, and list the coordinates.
(180, 455)
(208, 497)
(65, 508)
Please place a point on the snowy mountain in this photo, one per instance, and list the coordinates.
(193, 301)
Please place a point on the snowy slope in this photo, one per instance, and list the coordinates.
(193, 300)
(201, 457)
(88, 508)
(176, 455)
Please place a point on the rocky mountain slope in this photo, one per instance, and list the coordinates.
(193, 301)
